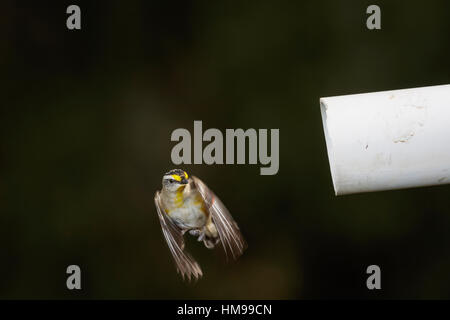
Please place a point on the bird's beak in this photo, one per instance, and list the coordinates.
(184, 181)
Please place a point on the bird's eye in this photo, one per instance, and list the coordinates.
(171, 181)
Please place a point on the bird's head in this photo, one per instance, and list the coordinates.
(175, 179)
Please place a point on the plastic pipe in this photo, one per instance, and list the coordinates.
(388, 140)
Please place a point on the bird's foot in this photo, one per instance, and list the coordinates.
(197, 233)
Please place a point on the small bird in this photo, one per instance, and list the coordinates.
(187, 204)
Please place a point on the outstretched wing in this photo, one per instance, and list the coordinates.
(186, 265)
(232, 240)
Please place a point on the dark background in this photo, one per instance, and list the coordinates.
(85, 125)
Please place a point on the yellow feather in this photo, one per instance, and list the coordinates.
(179, 197)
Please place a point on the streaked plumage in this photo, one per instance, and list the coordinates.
(187, 204)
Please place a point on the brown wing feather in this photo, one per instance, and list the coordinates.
(230, 236)
(186, 265)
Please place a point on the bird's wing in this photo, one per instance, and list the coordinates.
(186, 265)
(230, 236)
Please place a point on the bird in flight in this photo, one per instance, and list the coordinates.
(186, 204)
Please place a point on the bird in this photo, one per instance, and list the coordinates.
(186, 204)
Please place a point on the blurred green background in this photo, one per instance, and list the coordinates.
(85, 128)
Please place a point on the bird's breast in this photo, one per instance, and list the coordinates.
(188, 212)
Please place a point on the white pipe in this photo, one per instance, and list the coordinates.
(388, 140)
